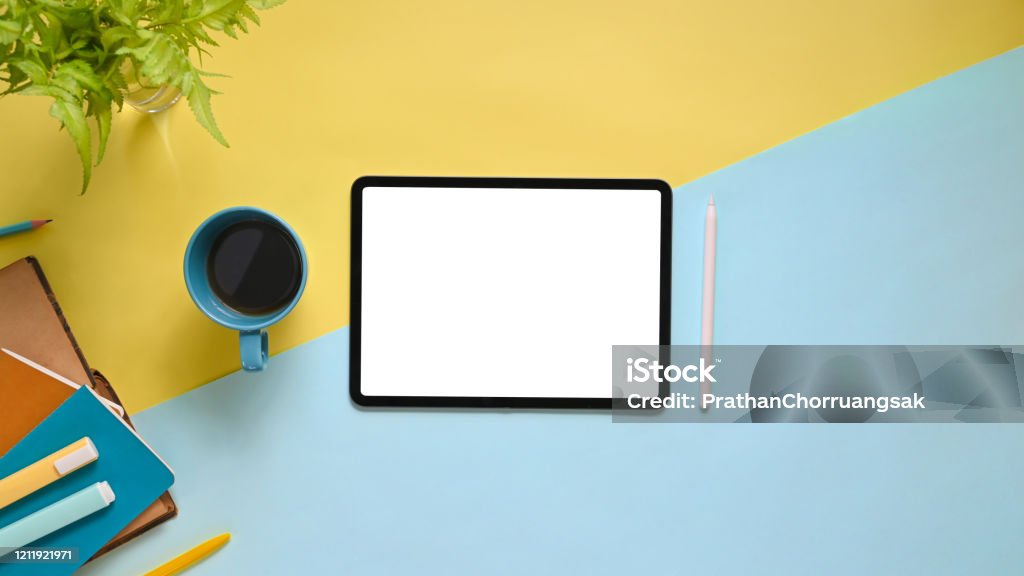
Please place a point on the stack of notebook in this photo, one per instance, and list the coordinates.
(53, 410)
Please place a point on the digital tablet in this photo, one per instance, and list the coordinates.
(503, 292)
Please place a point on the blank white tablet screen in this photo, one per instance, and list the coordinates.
(500, 292)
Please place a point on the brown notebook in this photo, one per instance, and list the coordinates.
(32, 325)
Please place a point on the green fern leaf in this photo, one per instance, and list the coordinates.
(53, 91)
(100, 108)
(71, 116)
(124, 11)
(10, 31)
(248, 13)
(116, 35)
(172, 11)
(199, 101)
(197, 32)
(160, 60)
(32, 69)
(69, 84)
(216, 14)
(82, 74)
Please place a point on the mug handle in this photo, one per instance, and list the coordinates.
(254, 345)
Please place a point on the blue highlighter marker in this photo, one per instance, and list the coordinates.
(87, 501)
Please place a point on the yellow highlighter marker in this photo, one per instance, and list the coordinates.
(44, 472)
(191, 557)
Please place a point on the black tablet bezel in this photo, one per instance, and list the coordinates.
(355, 282)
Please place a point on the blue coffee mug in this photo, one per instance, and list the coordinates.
(252, 327)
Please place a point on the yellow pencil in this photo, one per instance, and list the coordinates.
(191, 557)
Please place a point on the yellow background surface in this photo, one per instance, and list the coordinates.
(327, 91)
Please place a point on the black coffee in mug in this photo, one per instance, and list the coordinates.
(254, 267)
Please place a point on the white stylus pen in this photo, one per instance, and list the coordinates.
(707, 313)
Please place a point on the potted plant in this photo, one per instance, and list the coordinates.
(85, 54)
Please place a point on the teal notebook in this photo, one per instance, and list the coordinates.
(135, 473)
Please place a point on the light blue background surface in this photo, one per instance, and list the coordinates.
(900, 224)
